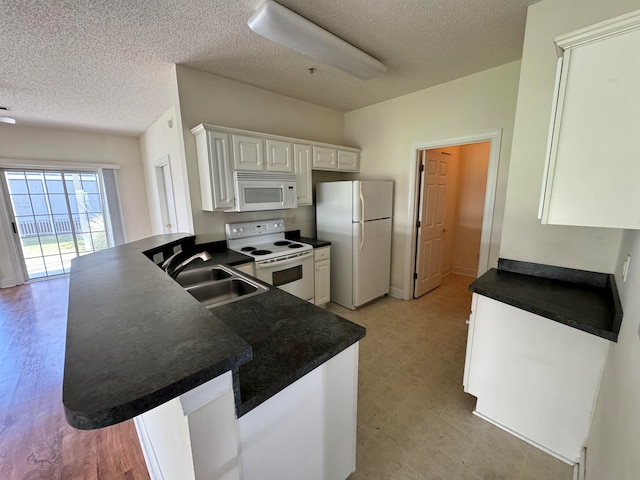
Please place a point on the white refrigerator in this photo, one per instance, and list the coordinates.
(355, 217)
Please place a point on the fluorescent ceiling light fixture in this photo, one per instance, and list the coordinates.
(9, 120)
(281, 25)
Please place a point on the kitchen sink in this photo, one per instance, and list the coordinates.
(194, 276)
(218, 285)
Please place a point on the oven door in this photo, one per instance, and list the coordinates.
(292, 273)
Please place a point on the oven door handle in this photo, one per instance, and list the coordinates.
(287, 261)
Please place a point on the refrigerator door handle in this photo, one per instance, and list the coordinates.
(362, 215)
(361, 235)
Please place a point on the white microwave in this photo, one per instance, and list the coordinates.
(264, 191)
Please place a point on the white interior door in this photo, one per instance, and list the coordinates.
(429, 247)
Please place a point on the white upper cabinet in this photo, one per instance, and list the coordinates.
(223, 150)
(247, 153)
(593, 167)
(214, 168)
(325, 158)
(348, 161)
(279, 156)
(302, 158)
(342, 160)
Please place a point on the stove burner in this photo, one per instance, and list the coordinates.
(281, 243)
(261, 252)
(295, 245)
(247, 249)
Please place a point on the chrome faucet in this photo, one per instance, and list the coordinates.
(174, 271)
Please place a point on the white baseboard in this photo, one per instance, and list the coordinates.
(396, 293)
(8, 282)
(526, 439)
(466, 271)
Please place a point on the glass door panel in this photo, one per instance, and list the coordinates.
(58, 216)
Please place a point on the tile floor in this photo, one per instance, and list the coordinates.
(414, 420)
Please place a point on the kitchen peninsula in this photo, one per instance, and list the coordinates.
(265, 387)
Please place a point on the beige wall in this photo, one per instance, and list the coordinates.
(524, 237)
(206, 98)
(471, 186)
(44, 145)
(391, 131)
(162, 139)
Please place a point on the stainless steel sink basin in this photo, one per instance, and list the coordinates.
(218, 285)
(187, 278)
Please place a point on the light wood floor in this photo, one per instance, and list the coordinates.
(35, 440)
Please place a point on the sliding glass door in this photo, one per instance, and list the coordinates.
(57, 216)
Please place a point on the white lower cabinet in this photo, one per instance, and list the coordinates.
(306, 431)
(535, 377)
(322, 275)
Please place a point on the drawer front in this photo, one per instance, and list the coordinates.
(321, 253)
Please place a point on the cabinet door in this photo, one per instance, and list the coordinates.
(348, 161)
(302, 155)
(247, 153)
(325, 158)
(215, 170)
(592, 169)
(279, 156)
(322, 282)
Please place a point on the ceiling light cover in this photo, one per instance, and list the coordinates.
(281, 25)
(9, 120)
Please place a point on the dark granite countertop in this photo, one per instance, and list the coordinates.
(584, 300)
(136, 339)
(289, 337)
(314, 242)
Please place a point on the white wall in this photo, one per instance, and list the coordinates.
(206, 98)
(159, 140)
(53, 144)
(612, 451)
(471, 186)
(524, 237)
(390, 131)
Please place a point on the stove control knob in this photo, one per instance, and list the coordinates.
(241, 229)
(234, 230)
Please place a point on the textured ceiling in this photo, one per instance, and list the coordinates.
(108, 65)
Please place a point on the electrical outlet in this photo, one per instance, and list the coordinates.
(625, 268)
(158, 258)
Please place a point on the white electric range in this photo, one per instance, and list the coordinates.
(286, 264)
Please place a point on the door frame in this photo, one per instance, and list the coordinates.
(495, 138)
(17, 273)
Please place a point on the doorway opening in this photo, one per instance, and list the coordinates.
(55, 216)
(452, 210)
